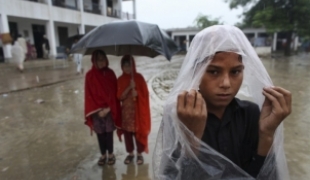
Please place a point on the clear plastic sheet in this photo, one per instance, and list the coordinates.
(173, 149)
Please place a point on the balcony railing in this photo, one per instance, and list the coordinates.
(127, 16)
(113, 13)
(66, 4)
(93, 8)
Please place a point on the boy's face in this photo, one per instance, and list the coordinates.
(222, 79)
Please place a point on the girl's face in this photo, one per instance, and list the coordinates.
(222, 79)
(127, 68)
(101, 61)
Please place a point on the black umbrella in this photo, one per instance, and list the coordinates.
(127, 37)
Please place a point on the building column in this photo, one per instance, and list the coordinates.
(134, 9)
(120, 9)
(274, 42)
(187, 42)
(82, 25)
(81, 29)
(50, 28)
(103, 5)
(4, 28)
(256, 35)
(296, 43)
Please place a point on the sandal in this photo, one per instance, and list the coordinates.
(140, 158)
(111, 160)
(102, 161)
(129, 159)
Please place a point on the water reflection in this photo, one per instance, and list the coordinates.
(131, 172)
(108, 173)
(136, 172)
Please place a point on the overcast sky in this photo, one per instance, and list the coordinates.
(181, 13)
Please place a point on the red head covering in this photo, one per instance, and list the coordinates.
(100, 92)
(143, 115)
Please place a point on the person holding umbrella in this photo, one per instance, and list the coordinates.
(102, 108)
(136, 120)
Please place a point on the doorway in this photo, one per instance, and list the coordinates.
(62, 35)
(13, 30)
(38, 33)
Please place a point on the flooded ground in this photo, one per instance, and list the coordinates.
(48, 140)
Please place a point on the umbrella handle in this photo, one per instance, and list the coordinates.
(132, 78)
(133, 96)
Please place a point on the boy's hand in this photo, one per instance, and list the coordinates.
(277, 106)
(192, 111)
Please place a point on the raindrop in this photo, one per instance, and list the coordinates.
(39, 101)
(5, 95)
(38, 79)
(5, 169)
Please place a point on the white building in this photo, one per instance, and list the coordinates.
(183, 36)
(58, 19)
(262, 41)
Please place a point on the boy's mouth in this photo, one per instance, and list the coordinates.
(223, 96)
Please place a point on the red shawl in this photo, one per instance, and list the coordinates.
(100, 92)
(143, 115)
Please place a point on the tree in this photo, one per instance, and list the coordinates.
(203, 21)
(289, 16)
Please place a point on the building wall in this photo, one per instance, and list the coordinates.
(66, 15)
(26, 9)
(185, 33)
(263, 51)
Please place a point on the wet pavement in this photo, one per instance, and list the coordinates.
(48, 140)
(37, 73)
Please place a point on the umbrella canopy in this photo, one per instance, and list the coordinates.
(127, 37)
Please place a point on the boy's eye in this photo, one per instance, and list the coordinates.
(236, 72)
(213, 72)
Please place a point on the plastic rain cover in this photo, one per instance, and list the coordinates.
(171, 136)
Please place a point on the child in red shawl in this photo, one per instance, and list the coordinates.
(102, 108)
(136, 119)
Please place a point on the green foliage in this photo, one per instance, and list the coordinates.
(276, 15)
(203, 21)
